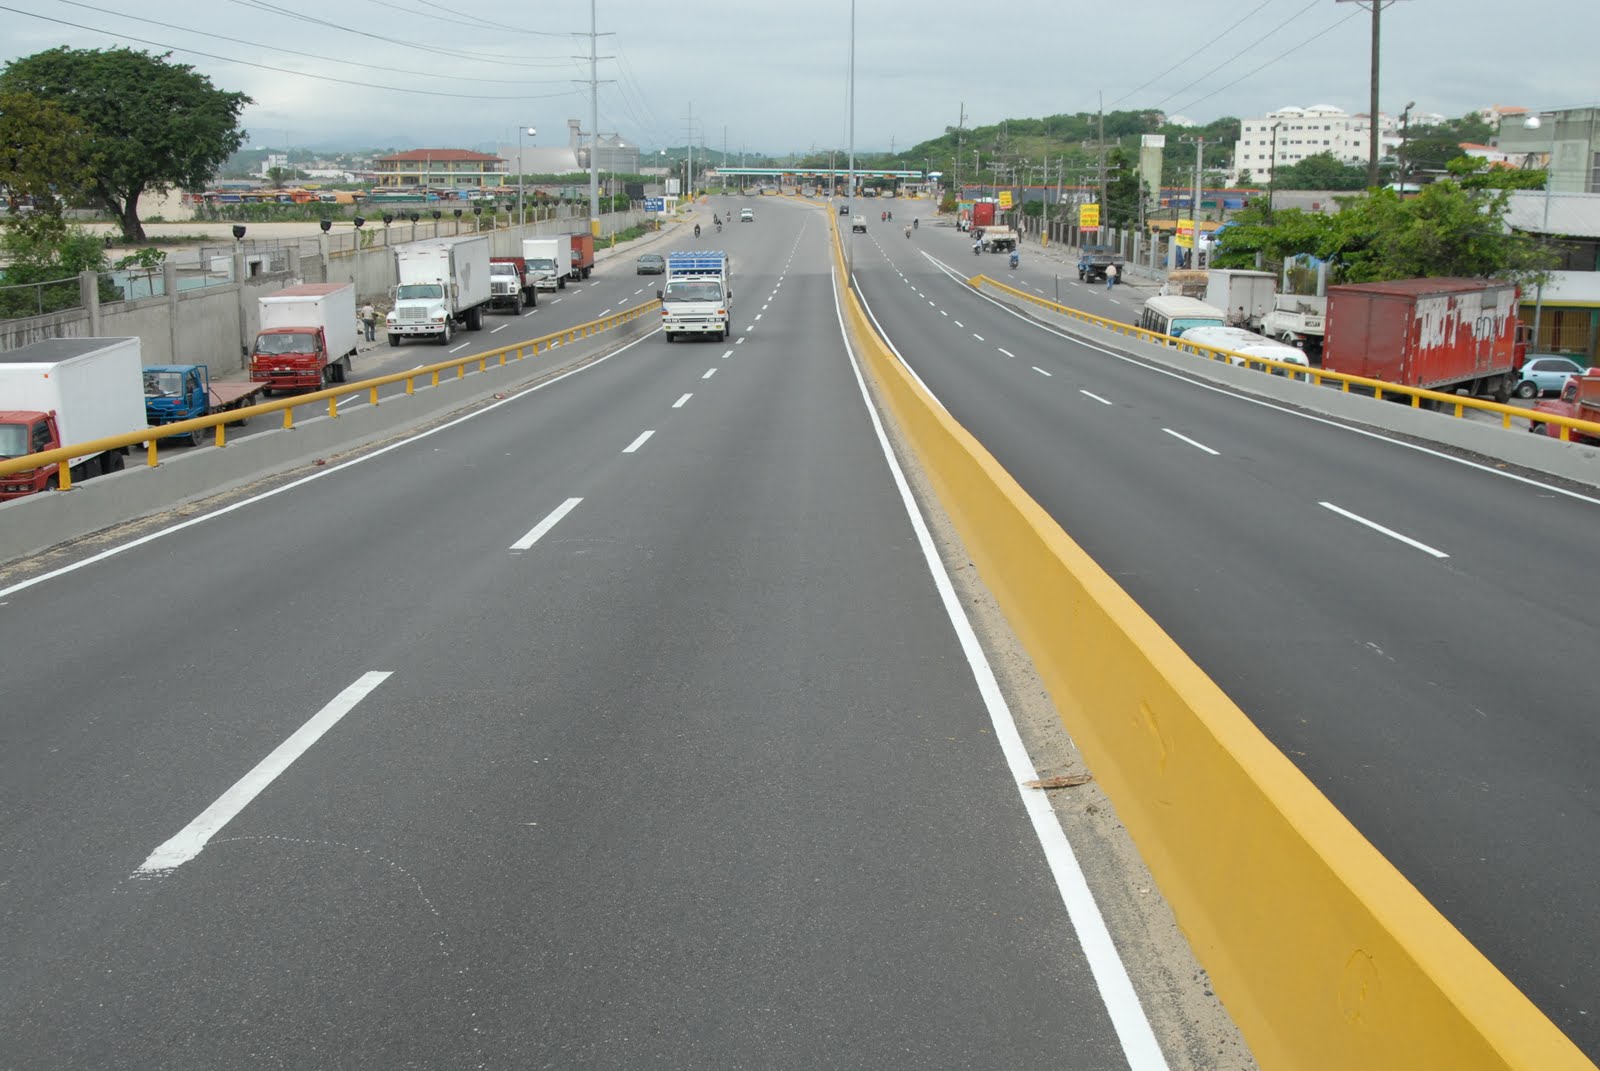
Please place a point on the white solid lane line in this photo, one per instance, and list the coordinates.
(679, 403)
(709, 373)
(1005, 351)
(529, 313)
(1092, 394)
(1041, 371)
(1391, 533)
(502, 327)
(192, 838)
(1191, 442)
(640, 441)
(537, 532)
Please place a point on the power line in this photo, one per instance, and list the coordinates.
(294, 52)
(480, 57)
(268, 67)
(1187, 55)
(460, 15)
(1241, 52)
(1287, 52)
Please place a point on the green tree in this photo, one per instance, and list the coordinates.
(278, 175)
(149, 124)
(1324, 171)
(42, 248)
(42, 154)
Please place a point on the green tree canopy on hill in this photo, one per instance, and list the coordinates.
(1323, 171)
(148, 124)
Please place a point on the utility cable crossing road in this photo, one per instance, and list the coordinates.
(629, 720)
(1411, 628)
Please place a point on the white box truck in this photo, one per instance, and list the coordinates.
(549, 261)
(443, 286)
(307, 337)
(1246, 296)
(698, 297)
(64, 391)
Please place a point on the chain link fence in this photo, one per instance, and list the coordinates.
(37, 299)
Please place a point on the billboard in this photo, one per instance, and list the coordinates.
(1089, 217)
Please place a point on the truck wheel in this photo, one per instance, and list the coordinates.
(516, 310)
(1536, 428)
(444, 334)
(197, 437)
(110, 461)
(670, 336)
(394, 343)
(336, 371)
(50, 483)
(586, 272)
(533, 296)
(475, 318)
(561, 283)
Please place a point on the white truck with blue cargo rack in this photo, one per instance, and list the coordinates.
(698, 297)
(443, 285)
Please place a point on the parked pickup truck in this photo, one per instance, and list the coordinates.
(1092, 265)
(175, 392)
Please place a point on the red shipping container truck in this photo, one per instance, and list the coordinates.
(983, 214)
(582, 255)
(1439, 334)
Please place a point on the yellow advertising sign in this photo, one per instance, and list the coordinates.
(1005, 198)
(1185, 236)
(1089, 217)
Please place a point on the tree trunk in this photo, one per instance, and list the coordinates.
(128, 217)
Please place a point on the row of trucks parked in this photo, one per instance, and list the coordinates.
(1442, 334)
(447, 284)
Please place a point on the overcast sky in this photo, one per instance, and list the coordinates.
(773, 77)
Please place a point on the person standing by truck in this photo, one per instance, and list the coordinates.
(1111, 275)
(369, 321)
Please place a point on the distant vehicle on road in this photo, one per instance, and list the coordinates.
(858, 224)
(651, 264)
(746, 216)
(1093, 264)
(1546, 374)
(844, 210)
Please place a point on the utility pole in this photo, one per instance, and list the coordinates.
(1376, 7)
(1100, 138)
(594, 126)
(1199, 170)
(961, 122)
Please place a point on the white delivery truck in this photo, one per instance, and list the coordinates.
(63, 391)
(443, 285)
(698, 297)
(549, 261)
(1246, 296)
(307, 337)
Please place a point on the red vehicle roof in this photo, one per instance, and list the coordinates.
(1420, 287)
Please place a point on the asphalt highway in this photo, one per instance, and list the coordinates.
(1411, 629)
(623, 723)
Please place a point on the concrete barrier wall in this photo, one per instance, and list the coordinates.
(1324, 954)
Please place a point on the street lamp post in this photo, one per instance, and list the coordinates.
(1272, 169)
(1533, 122)
(1400, 164)
(522, 219)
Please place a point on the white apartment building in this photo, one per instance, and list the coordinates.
(1303, 132)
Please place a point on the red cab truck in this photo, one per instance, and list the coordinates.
(1580, 399)
(983, 213)
(64, 391)
(307, 337)
(1439, 334)
(582, 255)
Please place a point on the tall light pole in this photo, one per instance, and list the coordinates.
(1405, 126)
(1272, 168)
(521, 218)
(1533, 122)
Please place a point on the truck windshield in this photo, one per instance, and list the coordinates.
(502, 269)
(163, 384)
(289, 342)
(419, 290)
(694, 290)
(13, 440)
(542, 263)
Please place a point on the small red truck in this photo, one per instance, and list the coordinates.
(983, 214)
(1580, 399)
(307, 337)
(1439, 334)
(582, 255)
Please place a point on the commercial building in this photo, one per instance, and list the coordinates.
(1567, 141)
(1567, 306)
(1287, 136)
(439, 167)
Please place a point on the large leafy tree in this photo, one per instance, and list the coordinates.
(42, 152)
(1323, 171)
(149, 124)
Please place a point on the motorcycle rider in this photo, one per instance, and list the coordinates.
(697, 230)
(913, 224)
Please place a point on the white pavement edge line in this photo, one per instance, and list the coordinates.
(1264, 403)
(1390, 532)
(679, 403)
(540, 530)
(321, 473)
(1092, 394)
(862, 297)
(640, 441)
(1191, 442)
(192, 838)
(1110, 973)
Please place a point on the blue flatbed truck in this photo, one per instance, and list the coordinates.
(175, 392)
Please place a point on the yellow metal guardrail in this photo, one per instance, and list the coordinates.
(332, 395)
(1436, 399)
(1324, 954)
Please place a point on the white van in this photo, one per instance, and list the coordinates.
(1173, 315)
(1240, 340)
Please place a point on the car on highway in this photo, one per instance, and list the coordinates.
(746, 216)
(858, 224)
(844, 210)
(1545, 374)
(651, 264)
